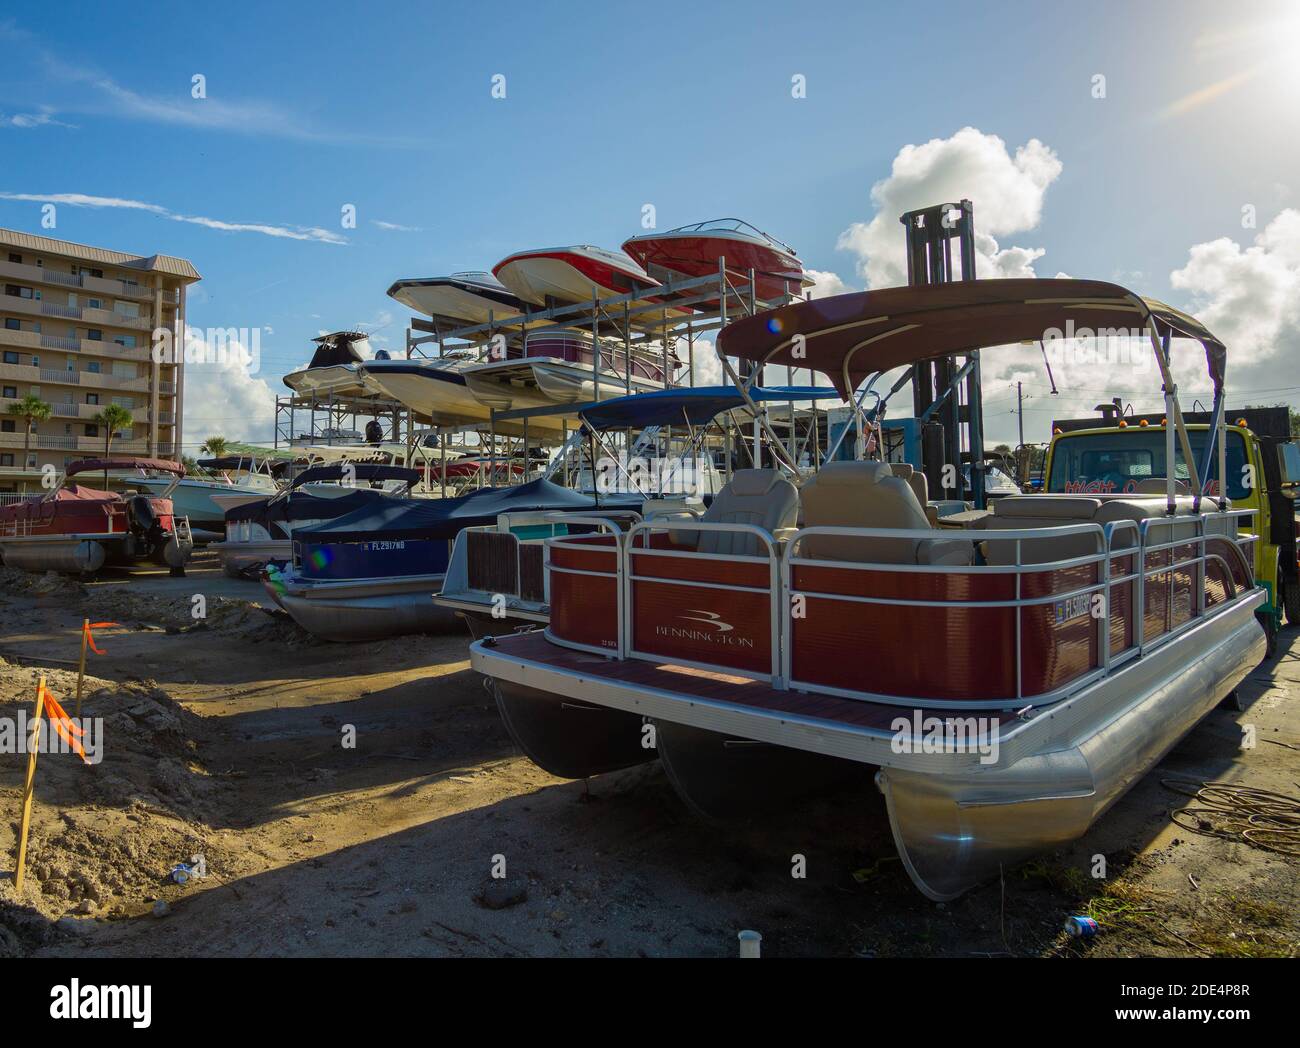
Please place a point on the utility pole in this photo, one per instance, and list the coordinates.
(1020, 410)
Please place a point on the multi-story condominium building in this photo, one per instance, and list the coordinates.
(76, 330)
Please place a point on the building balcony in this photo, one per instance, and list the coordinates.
(25, 274)
(61, 408)
(87, 315)
(93, 380)
(59, 343)
(74, 442)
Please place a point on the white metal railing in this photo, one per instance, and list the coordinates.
(611, 526)
(762, 540)
(1122, 558)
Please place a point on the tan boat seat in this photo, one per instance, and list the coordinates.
(1158, 486)
(1046, 511)
(914, 477)
(869, 495)
(763, 498)
(1026, 512)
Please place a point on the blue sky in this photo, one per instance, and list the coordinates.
(687, 106)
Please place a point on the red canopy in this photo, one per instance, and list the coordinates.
(124, 462)
(849, 337)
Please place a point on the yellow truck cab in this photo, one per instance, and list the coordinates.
(1125, 454)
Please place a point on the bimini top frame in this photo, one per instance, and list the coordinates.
(849, 337)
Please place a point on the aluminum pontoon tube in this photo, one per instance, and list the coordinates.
(367, 609)
(568, 738)
(954, 831)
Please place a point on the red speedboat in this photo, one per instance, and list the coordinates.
(560, 275)
(695, 251)
(77, 529)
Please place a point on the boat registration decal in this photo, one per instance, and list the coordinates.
(1073, 607)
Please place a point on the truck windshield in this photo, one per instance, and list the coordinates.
(1116, 463)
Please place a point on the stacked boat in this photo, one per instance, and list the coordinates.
(532, 357)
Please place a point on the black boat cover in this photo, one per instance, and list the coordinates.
(445, 518)
(336, 348)
(367, 471)
(299, 505)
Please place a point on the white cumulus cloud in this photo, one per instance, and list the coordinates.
(1008, 191)
(1250, 298)
(826, 284)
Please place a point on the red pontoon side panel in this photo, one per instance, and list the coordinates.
(584, 607)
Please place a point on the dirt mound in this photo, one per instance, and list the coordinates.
(105, 837)
(33, 584)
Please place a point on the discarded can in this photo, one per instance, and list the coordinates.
(182, 872)
(1081, 927)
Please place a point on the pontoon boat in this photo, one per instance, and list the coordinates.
(1010, 679)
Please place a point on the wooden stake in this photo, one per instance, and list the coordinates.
(29, 787)
(81, 669)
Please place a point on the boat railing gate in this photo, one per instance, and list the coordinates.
(602, 522)
(1117, 541)
(771, 558)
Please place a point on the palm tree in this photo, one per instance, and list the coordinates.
(112, 418)
(31, 409)
(214, 447)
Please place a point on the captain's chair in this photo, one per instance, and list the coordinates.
(763, 498)
(869, 495)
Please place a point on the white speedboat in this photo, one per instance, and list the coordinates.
(467, 298)
(335, 367)
(230, 476)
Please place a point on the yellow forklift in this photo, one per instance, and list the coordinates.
(1121, 452)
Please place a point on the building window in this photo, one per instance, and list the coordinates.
(92, 398)
(127, 309)
(125, 340)
(92, 430)
(6, 460)
(94, 303)
(13, 324)
(15, 258)
(8, 425)
(19, 291)
(92, 366)
(95, 335)
(10, 393)
(36, 362)
(11, 357)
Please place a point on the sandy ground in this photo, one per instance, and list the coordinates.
(225, 741)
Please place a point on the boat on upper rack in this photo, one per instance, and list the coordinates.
(559, 367)
(580, 274)
(698, 250)
(335, 368)
(373, 573)
(260, 533)
(470, 297)
(78, 529)
(1005, 675)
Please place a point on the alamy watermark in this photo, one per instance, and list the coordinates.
(1095, 347)
(16, 736)
(241, 346)
(921, 734)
